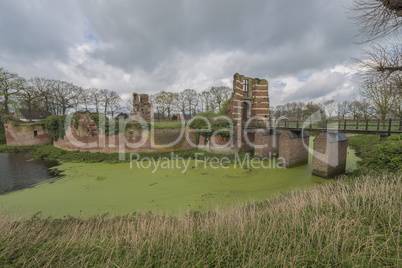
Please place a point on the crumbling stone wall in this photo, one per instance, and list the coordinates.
(142, 108)
(87, 138)
(17, 135)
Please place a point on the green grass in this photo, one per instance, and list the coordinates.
(49, 152)
(2, 135)
(378, 155)
(344, 223)
(166, 124)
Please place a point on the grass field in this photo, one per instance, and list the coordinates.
(338, 224)
(167, 124)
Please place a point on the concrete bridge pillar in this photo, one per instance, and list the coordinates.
(330, 152)
(293, 147)
(266, 142)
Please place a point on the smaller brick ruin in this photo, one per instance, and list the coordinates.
(266, 142)
(142, 108)
(293, 148)
(330, 152)
(25, 135)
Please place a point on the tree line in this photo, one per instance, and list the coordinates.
(168, 105)
(55, 96)
(332, 109)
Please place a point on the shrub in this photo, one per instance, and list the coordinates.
(2, 135)
(379, 157)
(54, 124)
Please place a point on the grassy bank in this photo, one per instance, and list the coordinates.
(378, 155)
(49, 152)
(343, 223)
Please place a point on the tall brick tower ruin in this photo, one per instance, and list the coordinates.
(249, 100)
(141, 107)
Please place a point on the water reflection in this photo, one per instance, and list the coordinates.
(19, 171)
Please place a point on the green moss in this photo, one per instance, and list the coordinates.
(2, 135)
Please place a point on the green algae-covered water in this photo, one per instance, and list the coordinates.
(117, 189)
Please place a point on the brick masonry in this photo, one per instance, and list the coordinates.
(266, 143)
(88, 139)
(142, 108)
(329, 157)
(25, 135)
(294, 151)
(249, 99)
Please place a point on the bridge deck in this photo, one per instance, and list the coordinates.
(373, 127)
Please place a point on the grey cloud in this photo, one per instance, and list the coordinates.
(144, 33)
(175, 43)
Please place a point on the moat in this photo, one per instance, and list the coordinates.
(116, 189)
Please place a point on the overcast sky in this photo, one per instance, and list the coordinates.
(302, 47)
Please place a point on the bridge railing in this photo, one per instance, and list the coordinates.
(371, 125)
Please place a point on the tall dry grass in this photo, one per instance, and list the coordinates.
(340, 224)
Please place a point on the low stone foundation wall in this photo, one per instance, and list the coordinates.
(25, 135)
(134, 141)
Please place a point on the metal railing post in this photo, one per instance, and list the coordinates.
(389, 127)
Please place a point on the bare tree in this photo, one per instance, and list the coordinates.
(86, 98)
(220, 94)
(158, 105)
(381, 63)
(10, 85)
(181, 103)
(77, 100)
(365, 108)
(114, 102)
(205, 99)
(42, 86)
(190, 97)
(384, 96)
(64, 93)
(377, 18)
(330, 107)
(96, 96)
(343, 108)
(28, 95)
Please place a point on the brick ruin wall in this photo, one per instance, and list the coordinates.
(157, 140)
(86, 139)
(254, 92)
(249, 99)
(142, 108)
(25, 135)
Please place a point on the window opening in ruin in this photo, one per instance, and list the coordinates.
(245, 85)
(35, 133)
(246, 108)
